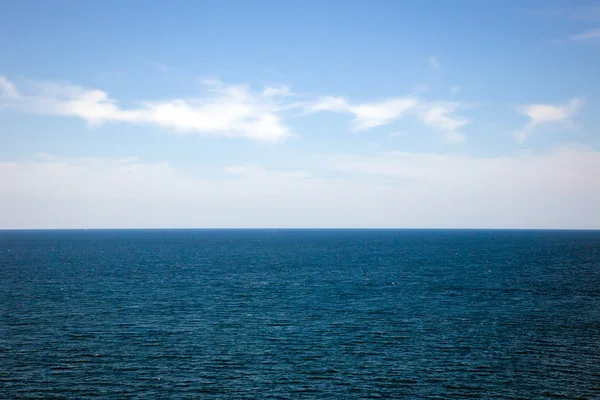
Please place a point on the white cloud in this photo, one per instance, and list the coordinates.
(369, 115)
(441, 116)
(539, 114)
(558, 189)
(7, 89)
(434, 62)
(225, 110)
(274, 91)
(329, 103)
(454, 89)
(590, 34)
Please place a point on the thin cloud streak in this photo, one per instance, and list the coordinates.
(590, 34)
(434, 62)
(438, 115)
(540, 114)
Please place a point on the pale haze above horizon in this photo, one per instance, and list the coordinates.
(300, 114)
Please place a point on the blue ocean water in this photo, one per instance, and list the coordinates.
(290, 314)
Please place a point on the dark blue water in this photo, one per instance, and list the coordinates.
(299, 314)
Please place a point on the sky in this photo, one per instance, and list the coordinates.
(300, 114)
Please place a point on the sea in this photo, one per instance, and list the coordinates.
(299, 314)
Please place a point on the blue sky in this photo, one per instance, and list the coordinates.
(300, 114)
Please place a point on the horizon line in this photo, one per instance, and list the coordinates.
(300, 229)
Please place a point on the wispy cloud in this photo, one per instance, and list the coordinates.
(370, 115)
(590, 34)
(367, 115)
(540, 114)
(438, 115)
(7, 89)
(329, 103)
(441, 116)
(275, 91)
(224, 110)
(434, 62)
